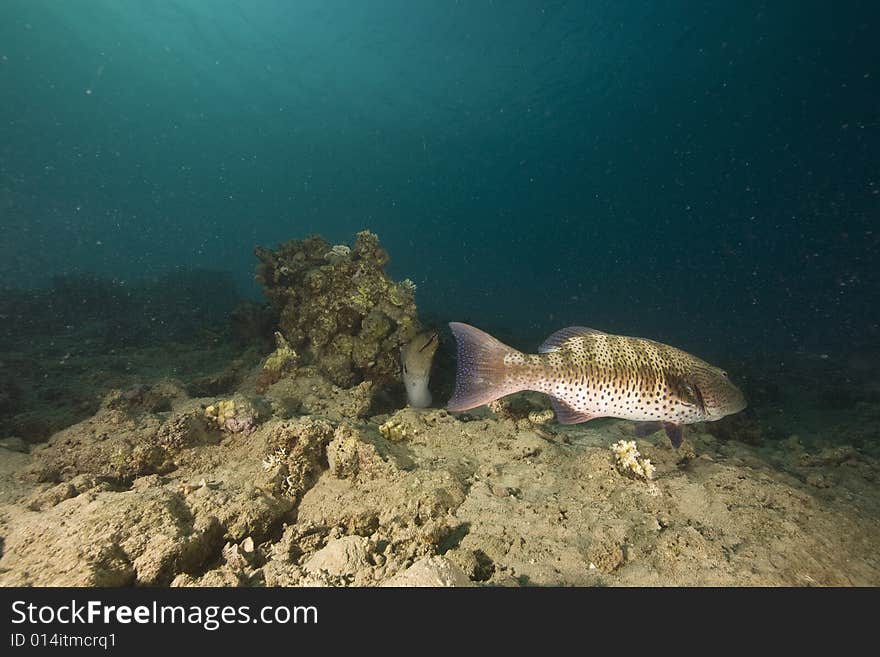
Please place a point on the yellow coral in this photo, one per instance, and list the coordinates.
(399, 295)
(361, 300)
(283, 357)
(501, 409)
(541, 417)
(393, 430)
(221, 411)
(629, 460)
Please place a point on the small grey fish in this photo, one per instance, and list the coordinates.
(416, 358)
(589, 374)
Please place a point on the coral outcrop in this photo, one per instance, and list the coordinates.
(338, 308)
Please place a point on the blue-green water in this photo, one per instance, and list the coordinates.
(702, 173)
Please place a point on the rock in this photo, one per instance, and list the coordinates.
(237, 559)
(340, 557)
(279, 573)
(357, 402)
(64, 491)
(299, 449)
(241, 509)
(430, 571)
(110, 445)
(528, 445)
(118, 445)
(182, 430)
(349, 454)
(14, 444)
(831, 456)
(141, 398)
(142, 537)
(818, 480)
(342, 452)
(218, 577)
(607, 550)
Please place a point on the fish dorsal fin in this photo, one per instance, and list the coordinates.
(556, 340)
(565, 414)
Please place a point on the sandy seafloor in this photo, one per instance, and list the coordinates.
(301, 484)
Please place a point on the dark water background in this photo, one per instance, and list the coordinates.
(707, 174)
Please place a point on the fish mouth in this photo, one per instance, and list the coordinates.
(732, 405)
(714, 394)
(741, 405)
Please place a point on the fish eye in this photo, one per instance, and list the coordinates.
(724, 374)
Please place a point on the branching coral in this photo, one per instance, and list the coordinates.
(630, 462)
(273, 459)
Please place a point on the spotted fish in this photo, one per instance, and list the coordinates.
(589, 374)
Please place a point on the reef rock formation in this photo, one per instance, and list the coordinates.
(338, 308)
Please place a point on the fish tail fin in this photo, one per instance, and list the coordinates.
(482, 376)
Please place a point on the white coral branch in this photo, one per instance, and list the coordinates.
(630, 462)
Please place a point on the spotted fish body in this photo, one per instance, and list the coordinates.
(589, 374)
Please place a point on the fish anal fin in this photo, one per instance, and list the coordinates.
(565, 414)
(674, 432)
(556, 340)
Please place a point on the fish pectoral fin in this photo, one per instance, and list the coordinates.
(643, 429)
(565, 414)
(674, 431)
(555, 341)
